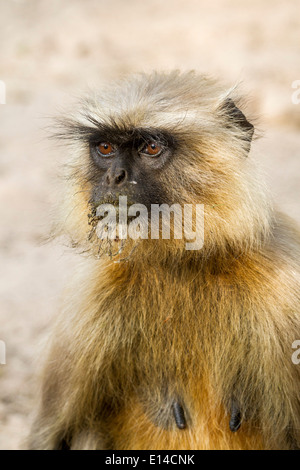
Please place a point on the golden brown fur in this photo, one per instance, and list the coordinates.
(206, 327)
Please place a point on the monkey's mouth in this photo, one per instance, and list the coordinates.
(94, 219)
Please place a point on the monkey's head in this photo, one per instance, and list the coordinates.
(164, 139)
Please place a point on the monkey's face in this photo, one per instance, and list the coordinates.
(130, 163)
(166, 139)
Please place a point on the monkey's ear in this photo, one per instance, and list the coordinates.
(237, 118)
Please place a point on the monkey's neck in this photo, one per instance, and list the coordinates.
(180, 265)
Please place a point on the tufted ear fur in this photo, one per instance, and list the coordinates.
(237, 118)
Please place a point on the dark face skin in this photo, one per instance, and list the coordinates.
(128, 164)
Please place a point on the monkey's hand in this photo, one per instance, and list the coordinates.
(235, 416)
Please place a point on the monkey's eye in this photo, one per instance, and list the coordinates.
(105, 149)
(152, 149)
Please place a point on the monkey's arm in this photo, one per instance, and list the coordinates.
(261, 381)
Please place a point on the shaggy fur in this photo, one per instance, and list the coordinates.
(209, 329)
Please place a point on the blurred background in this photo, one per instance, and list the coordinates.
(49, 52)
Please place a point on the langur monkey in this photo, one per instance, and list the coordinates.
(160, 347)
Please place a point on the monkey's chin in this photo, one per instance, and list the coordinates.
(110, 243)
(115, 249)
(118, 243)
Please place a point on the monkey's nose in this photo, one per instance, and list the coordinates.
(117, 177)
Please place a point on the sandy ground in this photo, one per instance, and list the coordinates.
(50, 51)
